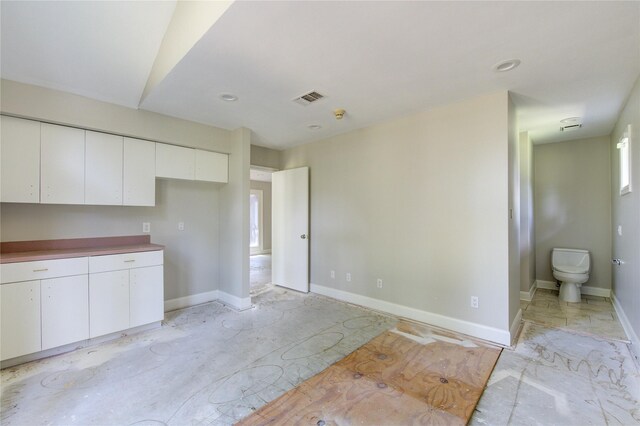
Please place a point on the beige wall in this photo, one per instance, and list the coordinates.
(626, 213)
(420, 202)
(527, 240)
(265, 157)
(265, 187)
(515, 252)
(573, 204)
(210, 250)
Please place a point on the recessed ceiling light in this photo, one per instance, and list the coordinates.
(315, 126)
(570, 120)
(507, 65)
(228, 97)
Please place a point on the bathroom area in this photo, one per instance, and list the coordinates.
(568, 277)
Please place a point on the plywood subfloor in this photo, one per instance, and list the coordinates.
(409, 375)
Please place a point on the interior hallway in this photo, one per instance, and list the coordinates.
(260, 270)
(216, 366)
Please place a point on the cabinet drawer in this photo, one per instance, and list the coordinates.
(42, 269)
(115, 262)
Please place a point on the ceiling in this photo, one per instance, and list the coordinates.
(377, 60)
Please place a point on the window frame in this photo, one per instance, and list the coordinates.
(624, 156)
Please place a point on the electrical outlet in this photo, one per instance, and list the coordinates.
(474, 302)
(379, 283)
(348, 277)
(180, 226)
(333, 275)
(146, 227)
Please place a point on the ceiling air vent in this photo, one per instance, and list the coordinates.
(308, 98)
(570, 127)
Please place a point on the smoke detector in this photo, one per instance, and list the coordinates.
(308, 98)
(339, 113)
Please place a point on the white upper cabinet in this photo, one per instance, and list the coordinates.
(212, 166)
(175, 162)
(103, 169)
(20, 154)
(61, 165)
(139, 172)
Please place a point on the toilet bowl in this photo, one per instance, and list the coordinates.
(571, 268)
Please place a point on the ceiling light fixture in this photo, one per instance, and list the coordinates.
(314, 126)
(507, 65)
(228, 97)
(570, 120)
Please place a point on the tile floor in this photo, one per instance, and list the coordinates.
(211, 365)
(593, 316)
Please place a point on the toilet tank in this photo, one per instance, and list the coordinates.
(577, 260)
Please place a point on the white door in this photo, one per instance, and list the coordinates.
(290, 229)
(19, 319)
(146, 295)
(139, 173)
(61, 165)
(103, 169)
(20, 160)
(108, 302)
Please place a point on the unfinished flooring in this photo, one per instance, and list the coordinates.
(259, 271)
(211, 365)
(412, 374)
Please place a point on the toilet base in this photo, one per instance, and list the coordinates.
(570, 292)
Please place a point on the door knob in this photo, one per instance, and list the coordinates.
(303, 236)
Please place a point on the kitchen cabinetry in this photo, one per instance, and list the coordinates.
(20, 319)
(103, 169)
(44, 304)
(139, 172)
(20, 160)
(125, 291)
(65, 310)
(61, 165)
(175, 162)
(212, 166)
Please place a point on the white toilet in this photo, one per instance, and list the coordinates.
(571, 268)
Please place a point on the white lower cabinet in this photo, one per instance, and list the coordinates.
(51, 303)
(65, 310)
(108, 302)
(20, 319)
(146, 295)
(125, 291)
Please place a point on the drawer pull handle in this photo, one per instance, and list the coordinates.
(129, 261)
(40, 270)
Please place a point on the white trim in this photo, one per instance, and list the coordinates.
(191, 300)
(515, 327)
(239, 303)
(591, 291)
(626, 325)
(528, 295)
(480, 331)
(267, 251)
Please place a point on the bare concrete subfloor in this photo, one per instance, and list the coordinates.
(259, 271)
(211, 365)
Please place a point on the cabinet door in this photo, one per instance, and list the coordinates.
(108, 302)
(146, 290)
(212, 166)
(175, 162)
(20, 319)
(20, 164)
(103, 169)
(65, 310)
(139, 172)
(61, 165)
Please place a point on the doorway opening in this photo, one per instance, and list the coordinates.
(260, 229)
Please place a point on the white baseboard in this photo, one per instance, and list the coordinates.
(626, 325)
(192, 300)
(528, 295)
(239, 303)
(591, 291)
(480, 331)
(515, 326)
(235, 302)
